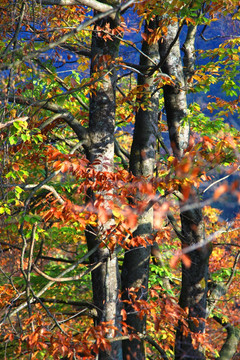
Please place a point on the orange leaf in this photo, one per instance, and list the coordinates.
(186, 191)
(186, 261)
(220, 191)
(124, 314)
(174, 261)
(15, 167)
(103, 215)
(130, 218)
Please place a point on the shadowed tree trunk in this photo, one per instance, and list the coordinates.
(194, 279)
(142, 160)
(105, 279)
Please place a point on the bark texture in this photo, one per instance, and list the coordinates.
(231, 343)
(174, 95)
(189, 57)
(194, 279)
(105, 279)
(142, 159)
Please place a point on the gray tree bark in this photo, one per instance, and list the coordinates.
(142, 160)
(105, 279)
(194, 279)
(231, 343)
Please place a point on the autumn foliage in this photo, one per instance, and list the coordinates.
(71, 203)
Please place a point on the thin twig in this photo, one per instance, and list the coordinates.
(233, 270)
(70, 278)
(50, 283)
(65, 37)
(219, 180)
(15, 36)
(48, 312)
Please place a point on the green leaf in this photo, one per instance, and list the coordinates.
(13, 140)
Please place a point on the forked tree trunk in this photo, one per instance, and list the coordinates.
(142, 160)
(194, 279)
(105, 279)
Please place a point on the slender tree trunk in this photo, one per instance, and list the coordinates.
(142, 159)
(194, 279)
(105, 279)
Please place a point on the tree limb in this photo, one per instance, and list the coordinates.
(93, 4)
(10, 122)
(79, 130)
(70, 278)
(231, 343)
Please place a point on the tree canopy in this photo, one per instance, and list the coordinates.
(119, 188)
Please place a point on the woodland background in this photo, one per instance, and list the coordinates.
(119, 179)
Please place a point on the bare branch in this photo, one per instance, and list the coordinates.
(10, 122)
(70, 278)
(233, 270)
(80, 131)
(219, 180)
(49, 188)
(69, 302)
(231, 343)
(93, 4)
(48, 312)
(45, 257)
(15, 36)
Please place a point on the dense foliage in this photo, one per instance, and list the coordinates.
(114, 240)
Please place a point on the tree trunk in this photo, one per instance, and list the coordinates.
(231, 343)
(105, 279)
(142, 159)
(194, 279)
